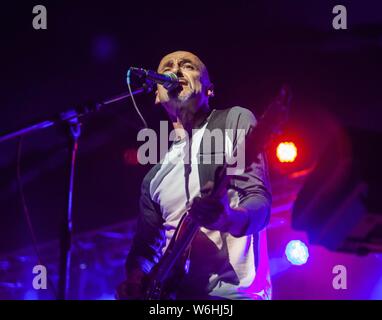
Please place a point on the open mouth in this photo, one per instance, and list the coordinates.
(183, 81)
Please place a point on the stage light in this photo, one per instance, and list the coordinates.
(286, 152)
(83, 266)
(130, 157)
(297, 252)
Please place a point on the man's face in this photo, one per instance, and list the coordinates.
(195, 85)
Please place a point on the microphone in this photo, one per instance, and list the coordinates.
(168, 80)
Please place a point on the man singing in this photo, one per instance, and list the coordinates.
(228, 256)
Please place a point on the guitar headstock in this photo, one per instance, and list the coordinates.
(277, 111)
(272, 120)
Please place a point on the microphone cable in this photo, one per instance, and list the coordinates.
(128, 78)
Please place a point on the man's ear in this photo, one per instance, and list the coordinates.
(156, 97)
(210, 91)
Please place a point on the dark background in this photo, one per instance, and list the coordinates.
(249, 47)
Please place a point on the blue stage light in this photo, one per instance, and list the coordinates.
(297, 252)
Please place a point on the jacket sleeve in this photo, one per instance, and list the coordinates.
(149, 237)
(252, 184)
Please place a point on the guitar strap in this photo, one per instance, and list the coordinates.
(216, 155)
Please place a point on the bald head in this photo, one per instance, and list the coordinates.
(182, 57)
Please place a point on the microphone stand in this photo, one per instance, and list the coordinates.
(72, 119)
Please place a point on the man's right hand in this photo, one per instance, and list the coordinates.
(128, 290)
(132, 288)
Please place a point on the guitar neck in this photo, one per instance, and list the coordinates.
(183, 240)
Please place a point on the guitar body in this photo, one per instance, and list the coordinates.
(157, 288)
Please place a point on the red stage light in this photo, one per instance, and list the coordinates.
(286, 151)
(130, 156)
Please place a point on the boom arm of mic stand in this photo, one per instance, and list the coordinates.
(80, 114)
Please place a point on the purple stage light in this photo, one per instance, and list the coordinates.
(103, 47)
